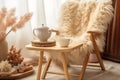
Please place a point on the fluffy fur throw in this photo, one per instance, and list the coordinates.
(78, 17)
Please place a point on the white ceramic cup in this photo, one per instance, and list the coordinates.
(63, 41)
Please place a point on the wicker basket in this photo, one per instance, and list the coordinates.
(37, 43)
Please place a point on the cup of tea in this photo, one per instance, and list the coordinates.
(63, 41)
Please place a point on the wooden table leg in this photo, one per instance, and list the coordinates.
(46, 68)
(65, 66)
(40, 65)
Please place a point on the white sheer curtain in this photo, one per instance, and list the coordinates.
(52, 8)
(44, 12)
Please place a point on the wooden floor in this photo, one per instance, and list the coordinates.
(111, 73)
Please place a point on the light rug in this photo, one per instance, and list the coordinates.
(112, 73)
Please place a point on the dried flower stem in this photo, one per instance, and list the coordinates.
(20, 23)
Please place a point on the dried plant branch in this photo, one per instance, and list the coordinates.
(26, 17)
(8, 19)
(20, 23)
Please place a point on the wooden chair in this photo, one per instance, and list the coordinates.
(92, 25)
(85, 63)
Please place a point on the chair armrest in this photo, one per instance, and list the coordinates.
(92, 35)
(93, 32)
(92, 38)
(56, 31)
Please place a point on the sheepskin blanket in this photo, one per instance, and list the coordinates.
(78, 17)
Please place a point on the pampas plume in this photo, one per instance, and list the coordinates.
(26, 17)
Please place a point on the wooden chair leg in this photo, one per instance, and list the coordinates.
(100, 61)
(97, 52)
(84, 66)
(65, 66)
(46, 68)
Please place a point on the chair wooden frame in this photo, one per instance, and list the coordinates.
(85, 63)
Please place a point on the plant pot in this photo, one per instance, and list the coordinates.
(3, 50)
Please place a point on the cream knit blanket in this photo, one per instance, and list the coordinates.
(78, 17)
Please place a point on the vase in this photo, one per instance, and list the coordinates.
(3, 50)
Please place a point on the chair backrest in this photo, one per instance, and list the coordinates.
(78, 17)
